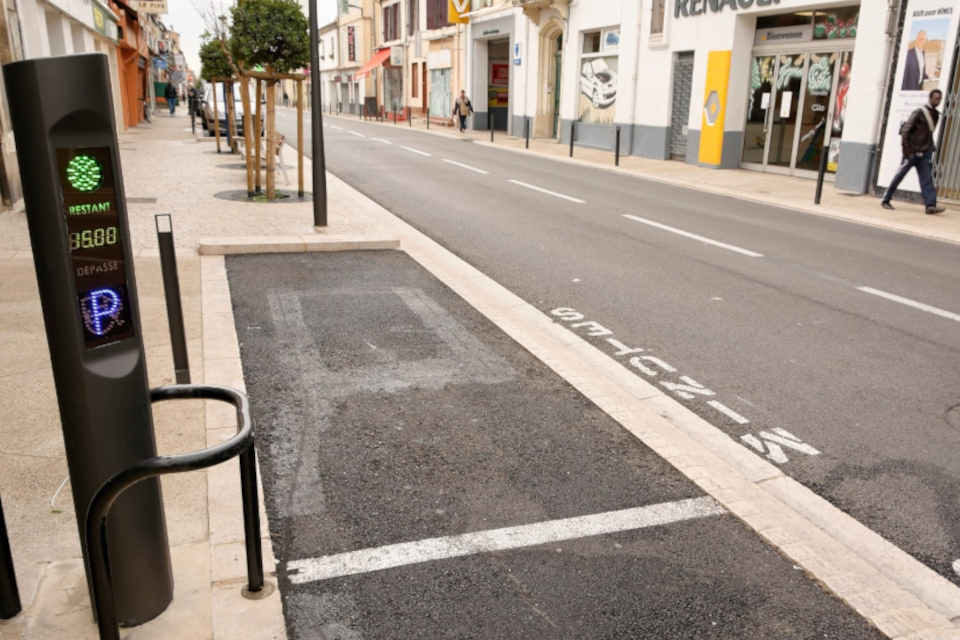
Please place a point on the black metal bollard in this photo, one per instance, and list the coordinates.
(824, 153)
(9, 595)
(526, 132)
(395, 116)
(193, 115)
(409, 118)
(171, 291)
(573, 124)
(617, 156)
(428, 117)
(490, 115)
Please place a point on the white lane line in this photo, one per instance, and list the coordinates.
(466, 166)
(412, 150)
(333, 126)
(548, 192)
(694, 236)
(407, 553)
(354, 133)
(383, 140)
(943, 313)
(727, 411)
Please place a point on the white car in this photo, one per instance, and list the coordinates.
(599, 83)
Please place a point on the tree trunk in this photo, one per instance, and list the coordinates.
(231, 116)
(216, 116)
(300, 138)
(247, 132)
(271, 139)
(258, 132)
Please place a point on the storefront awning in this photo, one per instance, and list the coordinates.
(378, 59)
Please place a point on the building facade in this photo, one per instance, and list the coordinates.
(356, 40)
(329, 55)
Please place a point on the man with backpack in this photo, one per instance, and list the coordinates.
(916, 139)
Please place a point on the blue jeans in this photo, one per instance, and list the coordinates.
(922, 163)
(172, 102)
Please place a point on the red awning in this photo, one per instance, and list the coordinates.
(378, 59)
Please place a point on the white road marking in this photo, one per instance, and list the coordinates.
(548, 192)
(412, 150)
(407, 553)
(937, 311)
(466, 166)
(333, 126)
(354, 133)
(956, 567)
(694, 236)
(773, 442)
(383, 140)
(727, 411)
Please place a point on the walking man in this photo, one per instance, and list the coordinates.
(916, 139)
(170, 93)
(462, 108)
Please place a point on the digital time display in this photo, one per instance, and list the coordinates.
(95, 242)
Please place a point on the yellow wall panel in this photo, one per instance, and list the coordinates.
(714, 107)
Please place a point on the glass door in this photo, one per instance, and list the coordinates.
(816, 110)
(786, 107)
(759, 102)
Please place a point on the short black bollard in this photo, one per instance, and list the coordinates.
(171, 291)
(193, 115)
(396, 114)
(490, 115)
(617, 157)
(526, 132)
(428, 117)
(9, 595)
(824, 153)
(409, 118)
(573, 125)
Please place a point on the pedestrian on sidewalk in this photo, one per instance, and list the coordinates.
(170, 93)
(916, 140)
(462, 108)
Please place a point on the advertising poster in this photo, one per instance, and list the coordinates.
(923, 63)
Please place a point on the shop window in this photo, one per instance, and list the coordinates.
(598, 81)
(834, 24)
(658, 14)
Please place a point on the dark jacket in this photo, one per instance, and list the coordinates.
(170, 93)
(916, 135)
(912, 80)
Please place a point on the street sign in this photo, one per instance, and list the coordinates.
(66, 137)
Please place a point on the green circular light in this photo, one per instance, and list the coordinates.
(84, 173)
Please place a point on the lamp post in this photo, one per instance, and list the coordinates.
(319, 163)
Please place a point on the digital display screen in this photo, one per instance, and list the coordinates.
(95, 242)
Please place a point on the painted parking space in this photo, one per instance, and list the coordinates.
(426, 477)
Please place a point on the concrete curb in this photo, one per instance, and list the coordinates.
(730, 193)
(293, 244)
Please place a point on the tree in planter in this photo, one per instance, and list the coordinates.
(273, 34)
(214, 67)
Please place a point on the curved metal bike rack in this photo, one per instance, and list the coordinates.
(239, 445)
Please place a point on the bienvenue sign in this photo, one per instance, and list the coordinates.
(686, 8)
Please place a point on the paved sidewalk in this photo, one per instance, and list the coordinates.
(165, 170)
(767, 188)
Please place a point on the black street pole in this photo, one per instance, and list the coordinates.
(9, 596)
(824, 152)
(319, 163)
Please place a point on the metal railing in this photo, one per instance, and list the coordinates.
(239, 445)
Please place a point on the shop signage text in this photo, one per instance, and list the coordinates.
(151, 6)
(686, 8)
(802, 33)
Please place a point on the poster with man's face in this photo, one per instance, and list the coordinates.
(923, 62)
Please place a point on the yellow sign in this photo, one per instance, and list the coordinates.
(714, 107)
(457, 11)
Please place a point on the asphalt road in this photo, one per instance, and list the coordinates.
(390, 412)
(847, 337)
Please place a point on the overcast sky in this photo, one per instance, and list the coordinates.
(184, 17)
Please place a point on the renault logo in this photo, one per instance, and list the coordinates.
(462, 6)
(712, 108)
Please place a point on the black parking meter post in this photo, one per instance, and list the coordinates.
(9, 595)
(821, 172)
(573, 128)
(526, 132)
(63, 121)
(171, 292)
(617, 154)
